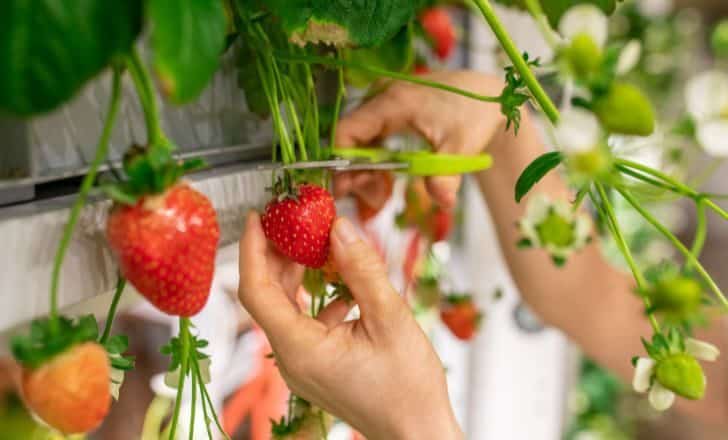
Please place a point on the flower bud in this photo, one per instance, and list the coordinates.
(683, 375)
(676, 294)
(584, 56)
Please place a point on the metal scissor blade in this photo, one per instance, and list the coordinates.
(337, 165)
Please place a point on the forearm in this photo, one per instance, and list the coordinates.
(590, 300)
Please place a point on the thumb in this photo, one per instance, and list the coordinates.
(363, 271)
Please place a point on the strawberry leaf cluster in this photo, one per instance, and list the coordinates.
(116, 346)
(46, 340)
(515, 94)
(174, 350)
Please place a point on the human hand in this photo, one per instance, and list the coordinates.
(378, 373)
(450, 123)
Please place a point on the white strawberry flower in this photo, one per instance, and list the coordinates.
(706, 98)
(629, 57)
(578, 131)
(645, 379)
(585, 19)
(554, 227)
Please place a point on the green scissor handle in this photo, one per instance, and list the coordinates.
(421, 163)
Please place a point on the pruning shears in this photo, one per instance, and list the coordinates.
(414, 163)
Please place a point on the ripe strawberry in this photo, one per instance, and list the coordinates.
(70, 392)
(461, 316)
(299, 225)
(166, 248)
(440, 224)
(439, 27)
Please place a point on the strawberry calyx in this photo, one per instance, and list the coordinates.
(455, 299)
(45, 341)
(150, 170)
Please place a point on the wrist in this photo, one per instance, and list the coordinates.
(430, 427)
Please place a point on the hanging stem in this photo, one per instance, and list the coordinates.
(607, 213)
(147, 97)
(194, 407)
(102, 150)
(340, 91)
(547, 106)
(184, 338)
(120, 284)
(689, 257)
(328, 61)
(206, 396)
(701, 231)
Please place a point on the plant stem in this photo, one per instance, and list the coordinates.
(147, 97)
(204, 409)
(194, 407)
(689, 257)
(649, 180)
(547, 106)
(701, 230)
(184, 338)
(120, 284)
(206, 395)
(676, 185)
(340, 91)
(720, 211)
(102, 150)
(607, 211)
(328, 61)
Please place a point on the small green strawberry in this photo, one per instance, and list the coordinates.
(682, 374)
(624, 109)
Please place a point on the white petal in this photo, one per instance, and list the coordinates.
(583, 230)
(171, 378)
(538, 208)
(706, 95)
(629, 57)
(701, 350)
(643, 374)
(655, 8)
(578, 131)
(585, 19)
(117, 379)
(660, 397)
(713, 137)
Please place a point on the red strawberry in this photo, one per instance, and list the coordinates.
(461, 316)
(439, 28)
(299, 225)
(422, 69)
(70, 392)
(441, 224)
(166, 248)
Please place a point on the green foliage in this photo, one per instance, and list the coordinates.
(555, 9)
(719, 39)
(46, 340)
(682, 374)
(344, 24)
(51, 48)
(188, 38)
(116, 346)
(536, 171)
(396, 55)
(515, 94)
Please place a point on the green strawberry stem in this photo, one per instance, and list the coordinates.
(147, 98)
(184, 338)
(547, 106)
(340, 91)
(120, 284)
(689, 257)
(102, 150)
(646, 179)
(206, 396)
(607, 213)
(328, 61)
(194, 407)
(701, 231)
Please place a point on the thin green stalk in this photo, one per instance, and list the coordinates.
(206, 395)
(340, 90)
(194, 407)
(328, 61)
(147, 98)
(580, 198)
(720, 211)
(701, 230)
(120, 284)
(676, 184)
(102, 150)
(184, 338)
(547, 106)
(534, 8)
(649, 180)
(204, 410)
(607, 211)
(689, 257)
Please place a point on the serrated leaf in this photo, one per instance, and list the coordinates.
(536, 171)
(51, 48)
(117, 344)
(188, 38)
(363, 23)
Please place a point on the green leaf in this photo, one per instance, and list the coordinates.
(395, 55)
(188, 38)
(117, 344)
(555, 9)
(536, 171)
(343, 23)
(46, 341)
(51, 48)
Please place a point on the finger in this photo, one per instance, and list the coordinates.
(264, 298)
(334, 313)
(363, 271)
(444, 190)
(383, 115)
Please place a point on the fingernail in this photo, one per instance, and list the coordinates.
(345, 232)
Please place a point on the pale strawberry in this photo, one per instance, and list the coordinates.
(166, 248)
(299, 224)
(70, 392)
